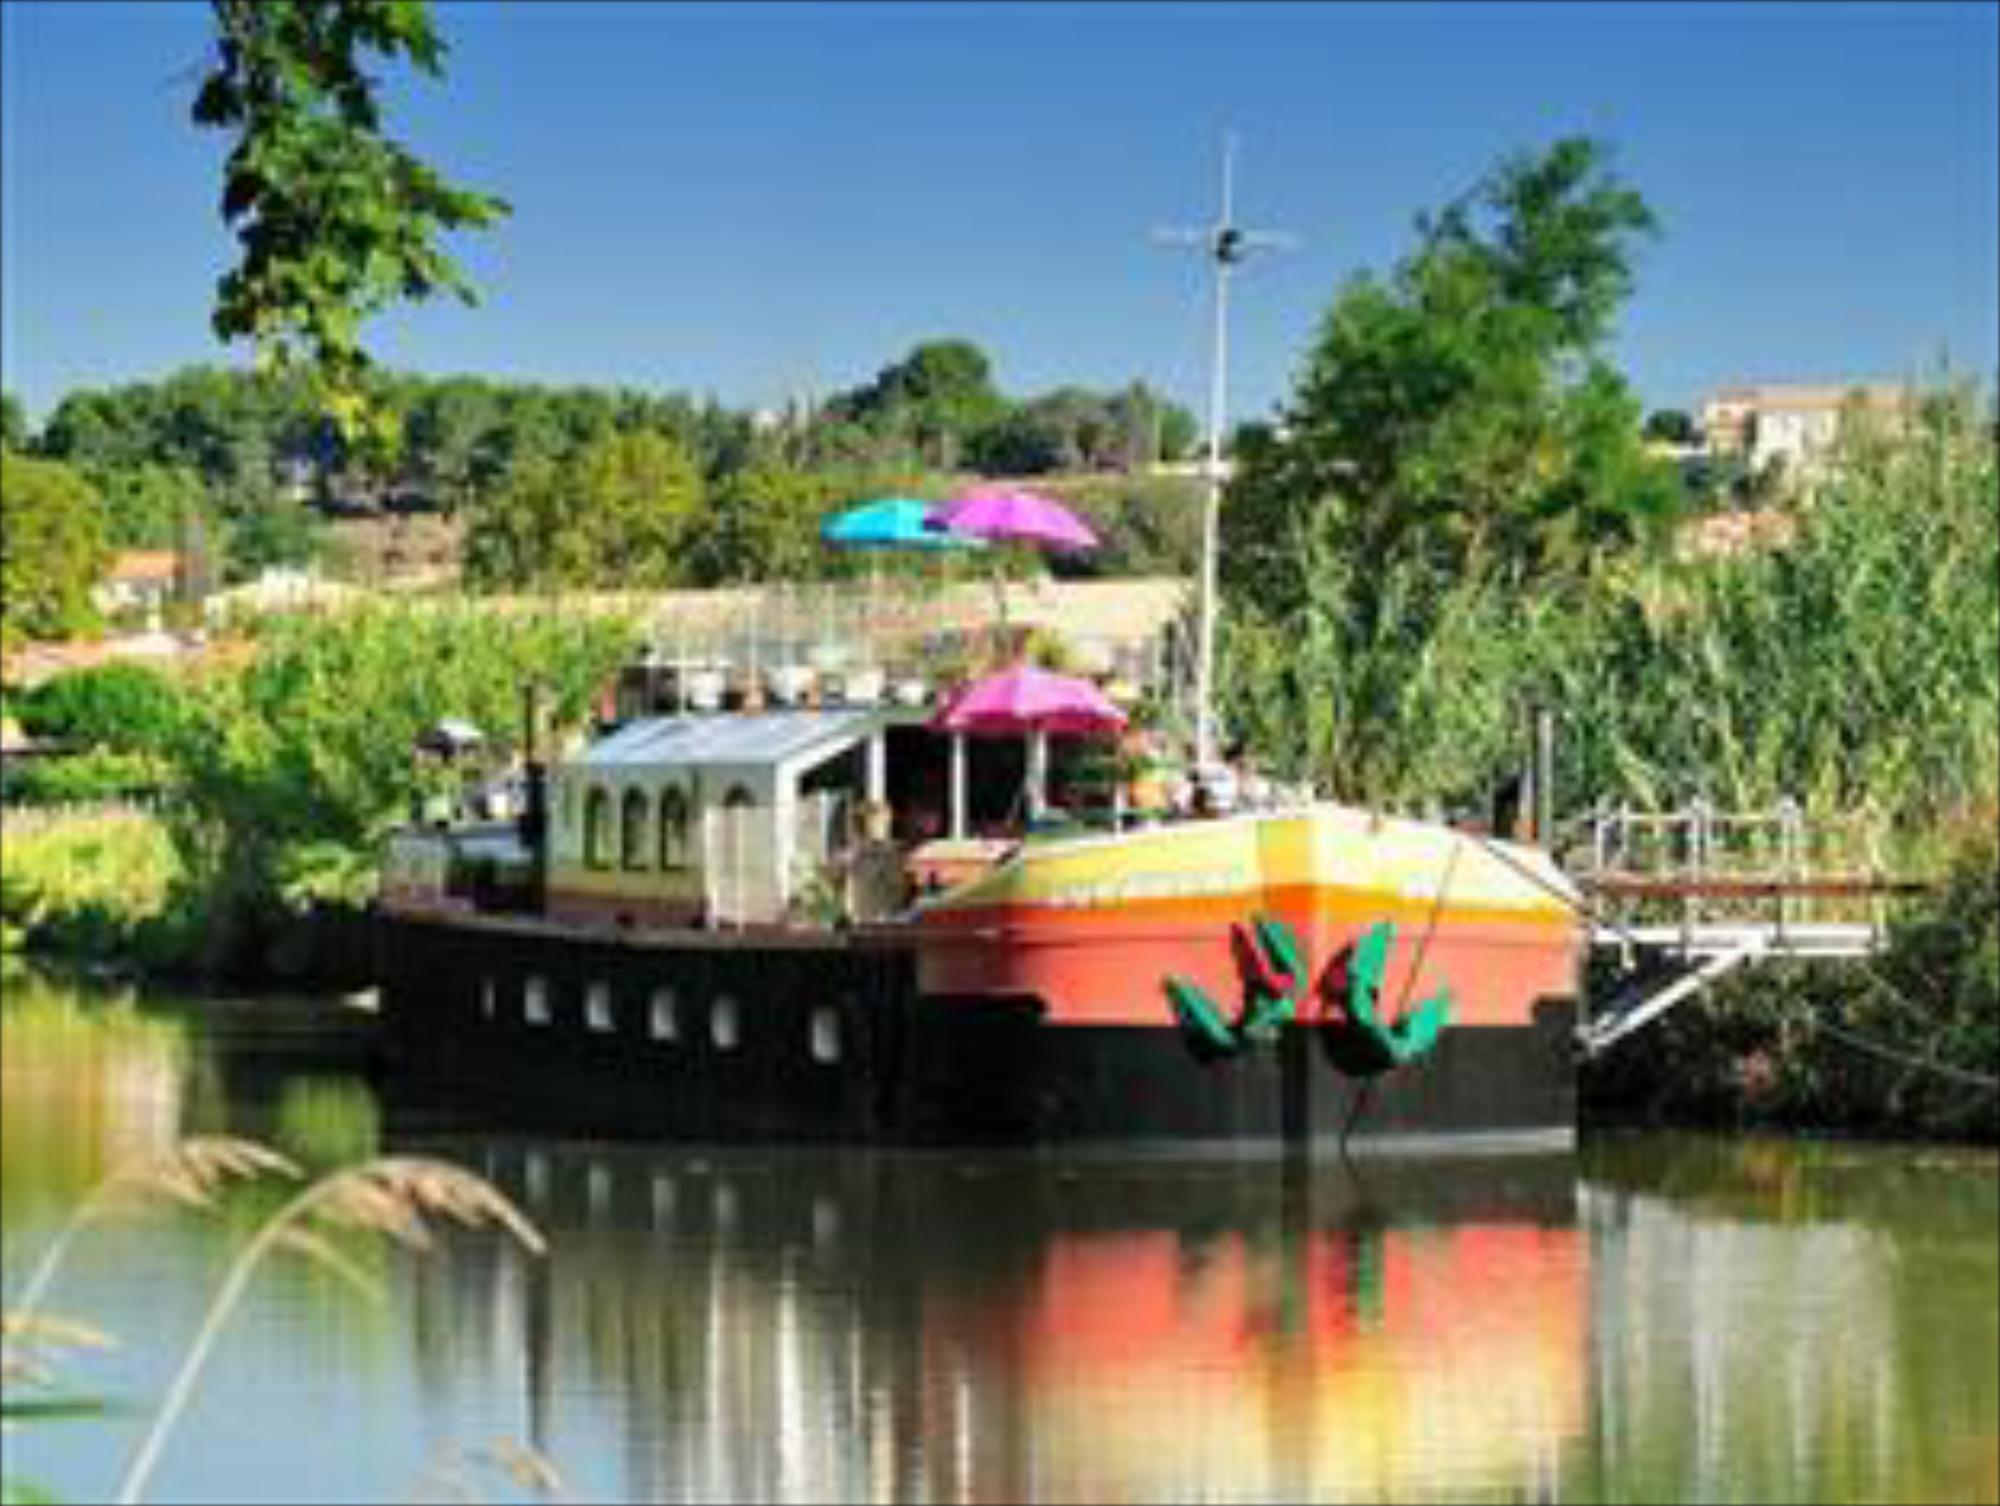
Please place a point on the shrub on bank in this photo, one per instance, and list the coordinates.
(282, 774)
(123, 708)
(85, 778)
(96, 885)
(294, 768)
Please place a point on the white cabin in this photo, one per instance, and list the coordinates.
(722, 817)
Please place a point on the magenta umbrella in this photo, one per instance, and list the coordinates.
(1013, 514)
(1026, 699)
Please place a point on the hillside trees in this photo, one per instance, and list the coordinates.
(202, 452)
(933, 400)
(1671, 426)
(13, 423)
(52, 550)
(249, 462)
(939, 408)
(619, 515)
(150, 506)
(762, 523)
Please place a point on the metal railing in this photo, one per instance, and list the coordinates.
(1702, 868)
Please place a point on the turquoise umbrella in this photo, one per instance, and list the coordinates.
(893, 523)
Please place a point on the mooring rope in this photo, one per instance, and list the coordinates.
(1888, 1053)
(1430, 929)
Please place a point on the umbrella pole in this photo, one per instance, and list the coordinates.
(958, 786)
(1038, 773)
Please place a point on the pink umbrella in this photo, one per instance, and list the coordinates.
(1034, 701)
(1028, 699)
(1014, 514)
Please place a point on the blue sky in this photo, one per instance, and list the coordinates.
(753, 201)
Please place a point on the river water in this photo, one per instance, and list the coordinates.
(1654, 1318)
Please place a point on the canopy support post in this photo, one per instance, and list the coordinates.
(958, 786)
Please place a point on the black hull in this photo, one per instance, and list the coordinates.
(828, 1040)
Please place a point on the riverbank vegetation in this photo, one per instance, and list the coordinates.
(279, 776)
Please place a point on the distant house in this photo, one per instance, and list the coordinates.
(1796, 424)
(142, 580)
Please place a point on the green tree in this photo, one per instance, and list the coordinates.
(126, 708)
(302, 758)
(13, 423)
(1456, 444)
(448, 438)
(1670, 426)
(621, 514)
(149, 506)
(52, 550)
(233, 430)
(1024, 441)
(935, 398)
(1178, 432)
(276, 533)
(763, 524)
(336, 221)
(1460, 412)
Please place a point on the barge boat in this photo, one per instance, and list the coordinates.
(729, 924)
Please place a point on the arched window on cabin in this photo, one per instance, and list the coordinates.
(674, 823)
(632, 830)
(597, 828)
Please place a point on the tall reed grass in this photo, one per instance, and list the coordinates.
(1856, 668)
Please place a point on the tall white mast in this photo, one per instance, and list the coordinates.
(1225, 244)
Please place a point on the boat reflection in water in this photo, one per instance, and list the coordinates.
(898, 1325)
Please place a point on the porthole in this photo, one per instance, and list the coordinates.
(724, 1028)
(597, 1007)
(826, 1034)
(535, 1001)
(663, 1015)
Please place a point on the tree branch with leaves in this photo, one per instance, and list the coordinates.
(336, 219)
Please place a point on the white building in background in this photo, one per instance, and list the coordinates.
(1793, 423)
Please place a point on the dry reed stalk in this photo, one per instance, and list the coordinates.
(390, 1195)
(187, 1172)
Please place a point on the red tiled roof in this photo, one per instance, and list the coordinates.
(144, 564)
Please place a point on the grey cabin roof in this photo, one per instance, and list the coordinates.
(732, 738)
